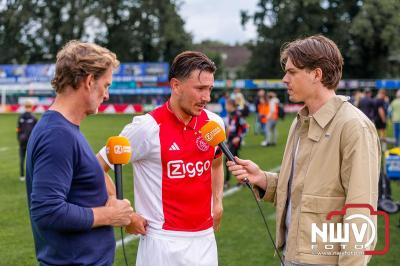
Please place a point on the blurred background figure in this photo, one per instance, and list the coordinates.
(381, 110)
(236, 128)
(367, 104)
(222, 101)
(395, 111)
(239, 99)
(257, 123)
(356, 97)
(263, 111)
(273, 102)
(157, 100)
(242, 106)
(25, 124)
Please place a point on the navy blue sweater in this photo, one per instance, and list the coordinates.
(64, 181)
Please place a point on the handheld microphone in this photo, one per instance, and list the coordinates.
(118, 152)
(214, 135)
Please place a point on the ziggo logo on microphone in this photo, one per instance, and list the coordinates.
(179, 169)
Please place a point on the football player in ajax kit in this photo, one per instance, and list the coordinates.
(178, 180)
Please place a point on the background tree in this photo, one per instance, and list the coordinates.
(173, 38)
(137, 30)
(375, 41)
(52, 24)
(349, 23)
(14, 15)
(206, 47)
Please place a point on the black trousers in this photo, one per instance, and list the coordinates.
(22, 153)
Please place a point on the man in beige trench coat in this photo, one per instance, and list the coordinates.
(331, 159)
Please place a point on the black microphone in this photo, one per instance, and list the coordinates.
(226, 151)
(214, 135)
(118, 153)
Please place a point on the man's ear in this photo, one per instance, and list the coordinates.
(318, 74)
(175, 85)
(88, 81)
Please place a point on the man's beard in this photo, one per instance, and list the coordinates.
(188, 111)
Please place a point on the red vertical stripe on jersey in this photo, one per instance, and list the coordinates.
(186, 172)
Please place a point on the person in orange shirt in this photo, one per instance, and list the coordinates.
(263, 111)
(272, 119)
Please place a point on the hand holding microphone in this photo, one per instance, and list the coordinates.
(244, 170)
(119, 152)
(121, 212)
(247, 170)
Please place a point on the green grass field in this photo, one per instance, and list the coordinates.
(241, 241)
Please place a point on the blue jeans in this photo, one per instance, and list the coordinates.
(257, 125)
(272, 132)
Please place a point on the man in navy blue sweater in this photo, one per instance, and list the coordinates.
(72, 205)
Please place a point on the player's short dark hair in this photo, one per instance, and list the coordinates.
(188, 61)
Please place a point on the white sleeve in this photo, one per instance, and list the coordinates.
(103, 154)
(214, 117)
(138, 132)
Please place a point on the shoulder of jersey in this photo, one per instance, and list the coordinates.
(215, 117)
(144, 123)
(160, 114)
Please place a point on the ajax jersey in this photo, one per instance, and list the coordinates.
(172, 169)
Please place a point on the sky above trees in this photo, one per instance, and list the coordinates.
(366, 31)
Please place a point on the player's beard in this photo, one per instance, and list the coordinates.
(188, 111)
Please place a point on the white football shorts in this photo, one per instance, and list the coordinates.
(172, 248)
